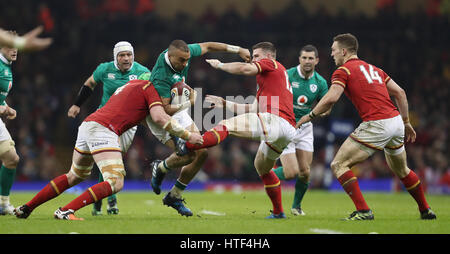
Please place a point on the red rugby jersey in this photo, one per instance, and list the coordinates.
(127, 107)
(365, 86)
(274, 91)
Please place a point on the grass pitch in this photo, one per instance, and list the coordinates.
(235, 213)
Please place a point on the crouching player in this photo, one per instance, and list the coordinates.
(98, 141)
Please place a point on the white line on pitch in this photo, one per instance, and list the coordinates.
(325, 231)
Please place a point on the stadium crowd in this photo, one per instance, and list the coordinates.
(411, 48)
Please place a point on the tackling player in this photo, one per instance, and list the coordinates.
(172, 66)
(98, 141)
(307, 86)
(112, 75)
(8, 154)
(384, 126)
(270, 119)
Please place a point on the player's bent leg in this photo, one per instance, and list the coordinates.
(349, 154)
(263, 165)
(113, 171)
(304, 159)
(10, 160)
(396, 160)
(289, 169)
(80, 170)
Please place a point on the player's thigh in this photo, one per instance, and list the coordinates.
(81, 168)
(398, 163)
(290, 164)
(8, 154)
(243, 126)
(349, 154)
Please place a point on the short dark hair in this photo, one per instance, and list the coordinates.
(266, 46)
(179, 44)
(347, 41)
(309, 48)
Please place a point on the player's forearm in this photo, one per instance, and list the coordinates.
(10, 40)
(84, 93)
(237, 68)
(219, 47)
(402, 105)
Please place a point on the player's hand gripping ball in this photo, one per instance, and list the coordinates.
(180, 93)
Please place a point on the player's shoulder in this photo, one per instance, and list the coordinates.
(291, 70)
(140, 67)
(105, 66)
(319, 78)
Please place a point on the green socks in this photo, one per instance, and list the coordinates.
(300, 187)
(7, 177)
(300, 190)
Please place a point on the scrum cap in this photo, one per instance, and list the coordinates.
(122, 46)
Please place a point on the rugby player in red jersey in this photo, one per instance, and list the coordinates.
(384, 127)
(98, 141)
(270, 119)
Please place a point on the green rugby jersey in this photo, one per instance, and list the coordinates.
(112, 78)
(164, 76)
(6, 79)
(306, 91)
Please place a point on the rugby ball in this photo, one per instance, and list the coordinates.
(180, 93)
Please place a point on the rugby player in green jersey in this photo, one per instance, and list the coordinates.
(112, 75)
(308, 86)
(8, 154)
(171, 67)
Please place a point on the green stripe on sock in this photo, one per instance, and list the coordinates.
(180, 185)
(300, 190)
(279, 172)
(7, 177)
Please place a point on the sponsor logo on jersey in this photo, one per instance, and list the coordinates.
(111, 76)
(132, 77)
(313, 88)
(295, 84)
(302, 100)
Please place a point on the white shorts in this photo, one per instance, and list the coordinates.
(94, 138)
(385, 134)
(4, 133)
(126, 139)
(305, 138)
(183, 118)
(274, 132)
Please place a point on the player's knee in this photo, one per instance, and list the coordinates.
(80, 171)
(113, 172)
(12, 161)
(336, 166)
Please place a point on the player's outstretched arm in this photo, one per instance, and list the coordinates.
(325, 104)
(223, 47)
(236, 68)
(238, 108)
(27, 42)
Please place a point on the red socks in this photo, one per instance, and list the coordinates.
(91, 195)
(211, 138)
(51, 190)
(273, 190)
(351, 186)
(414, 187)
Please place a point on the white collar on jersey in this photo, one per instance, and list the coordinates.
(301, 75)
(3, 59)
(166, 57)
